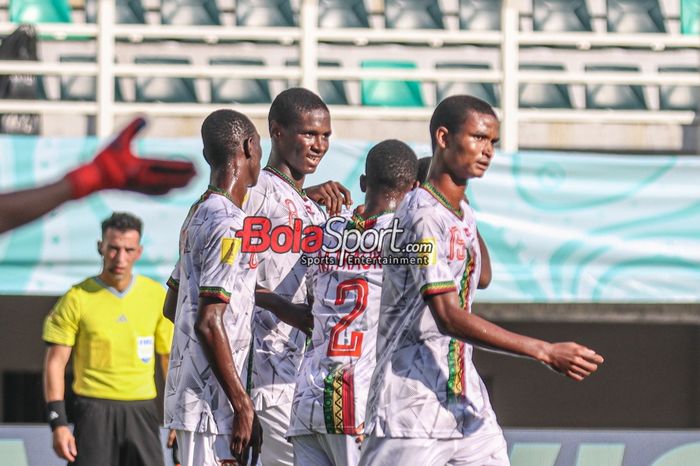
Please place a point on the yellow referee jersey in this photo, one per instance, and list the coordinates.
(114, 337)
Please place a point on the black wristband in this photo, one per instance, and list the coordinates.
(57, 414)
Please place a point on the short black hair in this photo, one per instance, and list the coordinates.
(423, 167)
(290, 104)
(223, 131)
(454, 111)
(122, 221)
(391, 164)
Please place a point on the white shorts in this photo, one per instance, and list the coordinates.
(204, 449)
(325, 450)
(276, 450)
(488, 449)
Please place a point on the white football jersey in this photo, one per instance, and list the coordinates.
(425, 385)
(210, 265)
(278, 347)
(332, 385)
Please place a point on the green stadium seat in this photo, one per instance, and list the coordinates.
(342, 14)
(413, 14)
(239, 91)
(83, 88)
(170, 90)
(331, 91)
(189, 12)
(484, 91)
(390, 93)
(673, 97)
(560, 16)
(40, 11)
(614, 96)
(264, 13)
(630, 16)
(480, 15)
(690, 17)
(128, 12)
(543, 95)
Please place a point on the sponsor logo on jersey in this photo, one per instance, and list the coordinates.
(229, 250)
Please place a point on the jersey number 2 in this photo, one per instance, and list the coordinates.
(354, 348)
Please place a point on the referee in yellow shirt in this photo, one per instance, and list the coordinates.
(113, 325)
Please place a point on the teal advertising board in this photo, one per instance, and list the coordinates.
(561, 227)
(30, 446)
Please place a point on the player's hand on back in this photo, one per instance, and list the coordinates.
(64, 443)
(330, 194)
(572, 360)
(116, 167)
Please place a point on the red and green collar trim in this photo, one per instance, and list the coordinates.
(214, 190)
(442, 200)
(286, 179)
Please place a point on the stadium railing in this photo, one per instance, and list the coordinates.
(308, 37)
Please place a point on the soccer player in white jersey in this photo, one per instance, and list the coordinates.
(210, 299)
(427, 404)
(332, 384)
(300, 128)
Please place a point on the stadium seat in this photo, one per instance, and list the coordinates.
(630, 16)
(40, 11)
(484, 91)
(239, 91)
(189, 12)
(673, 97)
(614, 96)
(83, 87)
(413, 14)
(25, 87)
(342, 14)
(690, 17)
(264, 13)
(480, 15)
(168, 90)
(128, 12)
(543, 95)
(390, 93)
(560, 16)
(331, 91)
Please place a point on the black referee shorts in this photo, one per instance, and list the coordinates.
(116, 433)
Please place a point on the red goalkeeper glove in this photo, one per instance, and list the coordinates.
(116, 167)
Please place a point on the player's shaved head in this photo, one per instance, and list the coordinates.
(391, 165)
(454, 111)
(223, 132)
(423, 167)
(290, 104)
(122, 221)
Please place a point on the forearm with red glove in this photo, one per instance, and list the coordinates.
(114, 167)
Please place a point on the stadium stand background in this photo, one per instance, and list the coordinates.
(615, 95)
(567, 45)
